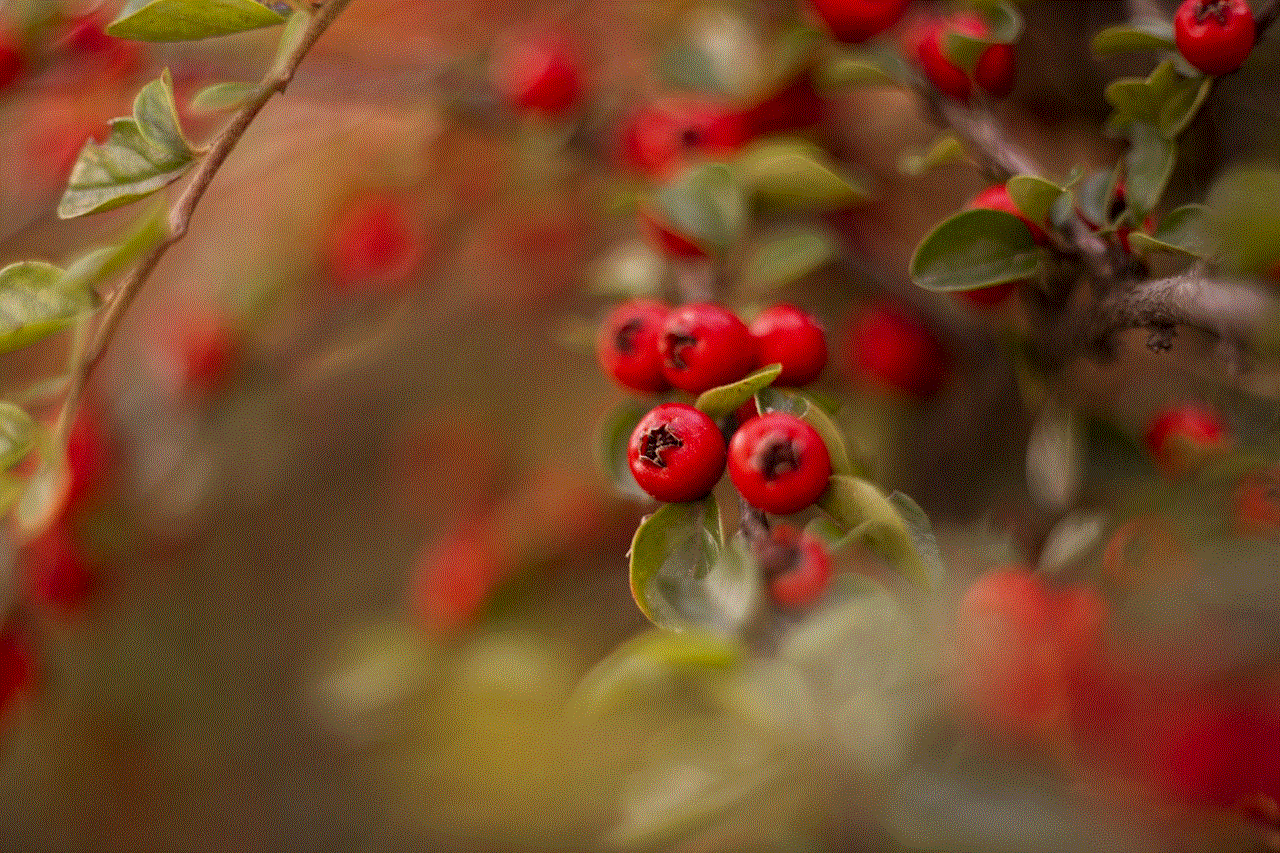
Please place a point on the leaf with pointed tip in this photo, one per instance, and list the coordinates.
(1139, 35)
(222, 96)
(945, 149)
(795, 174)
(1183, 231)
(1181, 106)
(976, 248)
(1004, 25)
(615, 433)
(787, 254)
(190, 20)
(1033, 196)
(1150, 163)
(854, 502)
(721, 400)
(923, 540)
(704, 204)
(34, 305)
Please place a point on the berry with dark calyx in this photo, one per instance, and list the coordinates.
(704, 345)
(779, 463)
(803, 568)
(855, 21)
(791, 337)
(676, 453)
(627, 345)
(896, 351)
(539, 73)
(1183, 436)
(372, 243)
(672, 132)
(994, 73)
(1215, 36)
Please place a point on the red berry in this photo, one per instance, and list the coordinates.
(200, 352)
(456, 574)
(676, 453)
(667, 240)
(372, 243)
(806, 572)
(994, 72)
(1183, 436)
(17, 669)
(704, 345)
(855, 21)
(794, 106)
(12, 60)
(86, 38)
(895, 350)
(662, 136)
(539, 74)
(1215, 36)
(57, 573)
(89, 456)
(1257, 502)
(788, 336)
(779, 463)
(627, 345)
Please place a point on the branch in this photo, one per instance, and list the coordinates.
(1217, 306)
(180, 214)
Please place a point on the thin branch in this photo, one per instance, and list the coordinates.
(180, 215)
(1217, 306)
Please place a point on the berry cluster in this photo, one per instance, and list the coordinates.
(777, 461)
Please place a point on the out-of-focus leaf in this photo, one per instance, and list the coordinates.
(1149, 163)
(721, 400)
(923, 540)
(1033, 196)
(629, 269)
(976, 248)
(1184, 231)
(614, 433)
(1246, 220)
(1139, 35)
(945, 149)
(33, 305)
(704, 204)
(1055, 458)
(1004, 25)
(189, 20)
(795, 174)
(17, 434)
(788, 254)
(1181, 106)
(856, 503)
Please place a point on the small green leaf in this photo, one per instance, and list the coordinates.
(222, 96)
(1004, 26)
(787, 254)
(1132, 98)
(17, 434)
(857, 503)
(1150, 162)
(1181, 106)
(704, 204)
(794, 174)
(640, 665)
(1140, 35)
(945, 149)
(34, 305)
(1033, 196)
(849, 68)
(1184, 231)
(11, 489)
(976, 248)
(923, 540)
(141, 155)
(673, 550)
(720, 401)
(615, 433)
(295, 30)
(189, 20)
(1094, 195)
(795, 403)
(106, 262)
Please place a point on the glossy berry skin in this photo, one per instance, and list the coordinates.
(1215, 36)
(996, 197)
(896, 351)
(372, 243)
(994, 73)
(855, 21)
(1184, 435)
(779, 463)
(704, 345)
(666, 134)
(791, 337)
(539, 74)
(627, 345)
(807, 571)
(12, 59)
(676, 453)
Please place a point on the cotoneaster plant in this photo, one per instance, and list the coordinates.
(993, 74)
(779, 463)
(1215, 36)
(627, 345)
(856, 21)
(787, 335)
(676, 453)
(704, 345)
(539, 73)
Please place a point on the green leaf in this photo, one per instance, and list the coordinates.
(141, 155)
(11, 489)
(795, 403)
(704, 204)
(222, 96)
(1150, 162)
(796, 175)
(673, 550)
(1033, 196)
(645, 663)
(945, 149)
(34, 305)
(976, 248)
(787, 254)
(106, 262)
(923, 540)
(1184, 231)
(615, 432)
(1139, 35)
(1094, 195)
(17, 434)
(857, 503)
(720, 401)
(1004, 25)
(189, 20)
(863, 68)
(295, 30)
(1246, 219)
(1181, 106)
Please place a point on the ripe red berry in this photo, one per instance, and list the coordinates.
(86, 39)
(796, 105)
(57, 572)
(664, 135)
(779, 463)
(1215, 36)
(896, 351)
(456, 573)
(704, 345)
(372, 243)
(994, 72)
(199, 352)
(539, 73)
(89, 456)
(788, 336)
(806, 570)
(17, 669)
(12, 59)
(855, 21)
(627, 345)
(1183, 436)
(676, 453)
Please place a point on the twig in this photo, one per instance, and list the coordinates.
(1220, 307)
(180, 215)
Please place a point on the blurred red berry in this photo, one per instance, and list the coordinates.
(56, 571)
(456, 574)
(373, 243)
(855, 21)
(1183, 436)
(896, 351)
(666, 134)
(627, 345)
(786, 335)
(806, 573)
(994, 72)
(539, 73)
